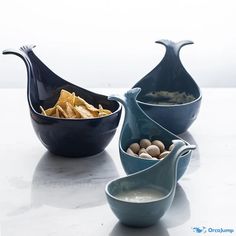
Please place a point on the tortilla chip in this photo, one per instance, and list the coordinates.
(43, 111)
(80, 102)
(84, 112)
(64, 97)
(50, 111)
(70, 106)
(61, 111)
(70, 110)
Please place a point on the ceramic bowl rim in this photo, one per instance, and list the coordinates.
(199, 98)
(129, 202)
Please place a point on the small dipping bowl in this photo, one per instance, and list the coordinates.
(65, 137)
(141, 199)
(170, 75)
(137, 125)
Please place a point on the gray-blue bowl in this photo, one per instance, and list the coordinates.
(137, 125)
(142, 212)
(170, 75)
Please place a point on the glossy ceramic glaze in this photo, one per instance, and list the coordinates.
(162, 175)
(66, 137)
(170, 75)
(137, 125)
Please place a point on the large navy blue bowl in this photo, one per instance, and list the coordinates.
(66, 137)
(170, 75)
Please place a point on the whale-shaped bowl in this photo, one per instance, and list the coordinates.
(136, 207)
(137, 125)
(170, 75)
(65, 137)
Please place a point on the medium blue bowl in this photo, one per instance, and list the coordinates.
(137, 125)
(170, 75)
(66, 137)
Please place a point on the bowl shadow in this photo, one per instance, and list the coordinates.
(72, 182)
(179, 211)
(157, 229)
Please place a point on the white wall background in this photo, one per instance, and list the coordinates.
(107, 43)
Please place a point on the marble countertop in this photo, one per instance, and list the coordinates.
(43, 194)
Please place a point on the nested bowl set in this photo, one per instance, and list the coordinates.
(150, 113)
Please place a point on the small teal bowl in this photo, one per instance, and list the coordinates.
(170, 75)
(137, 214)
(137, 209)
(137, 125)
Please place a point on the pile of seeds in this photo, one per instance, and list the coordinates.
(149, 149)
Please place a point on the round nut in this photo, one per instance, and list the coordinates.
(144, 143)
(142, 150)
(130, 152)
(153, 150)
(159, 144)
(134, 147)
(163, 154)
(146, 156)
(171, 147)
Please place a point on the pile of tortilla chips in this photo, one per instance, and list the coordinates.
(74, 107)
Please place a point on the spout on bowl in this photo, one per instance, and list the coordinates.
(129, 96)
(32, 91)
(41, 81)
(164, 173)
(22, 53)
(171, 161)
(178, 150)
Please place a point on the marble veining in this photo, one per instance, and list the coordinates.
(72, 183)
